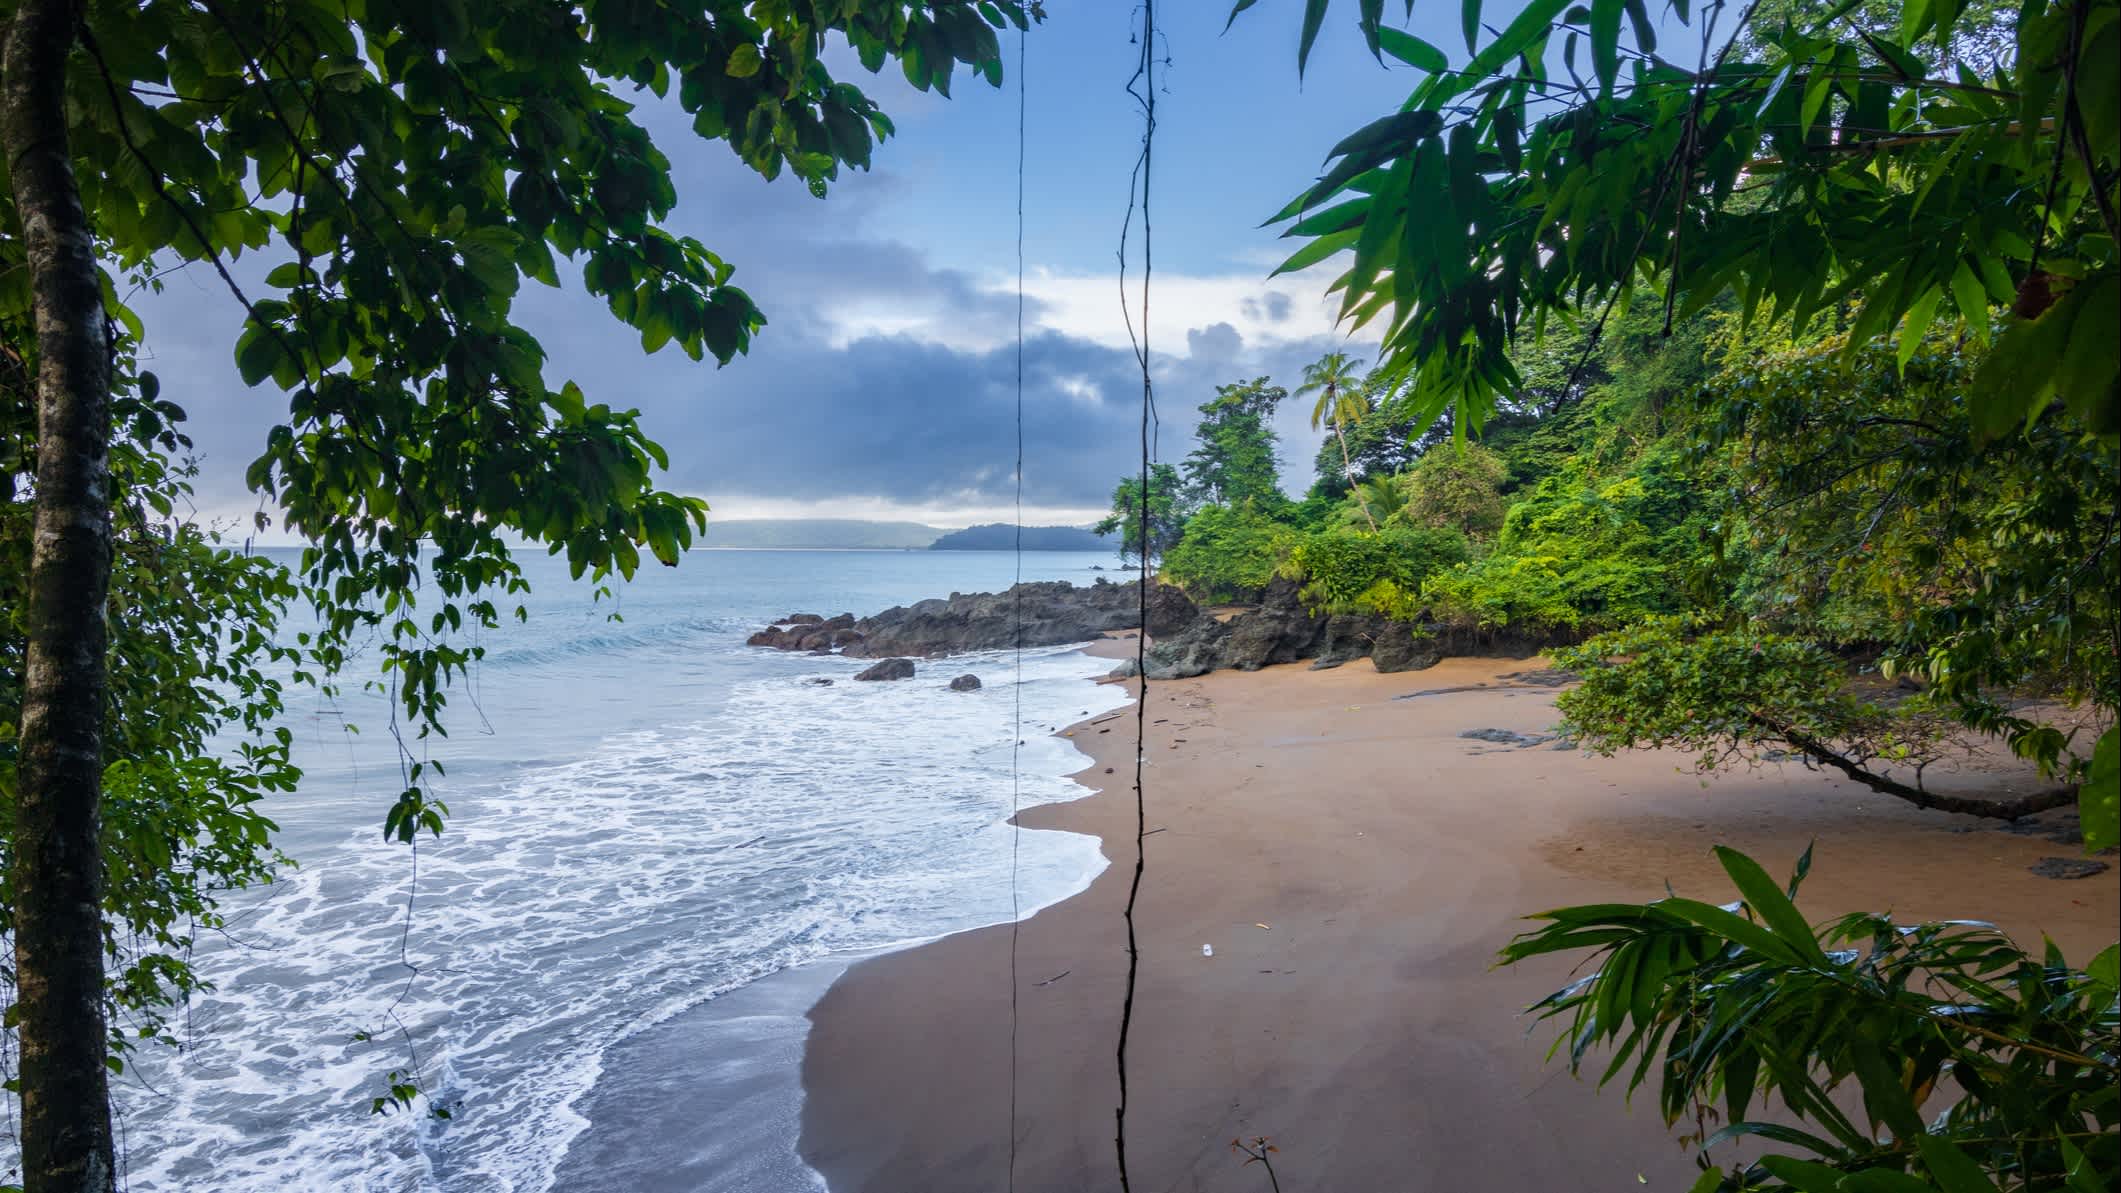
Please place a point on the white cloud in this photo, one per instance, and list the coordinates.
(974, 509)
(1267, 313)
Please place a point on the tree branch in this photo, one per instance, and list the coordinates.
(2026, 805)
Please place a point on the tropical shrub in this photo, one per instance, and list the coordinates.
(1749, 1006)
(1579, 556)
(1877, 513)
(1228, 552)
(1456, 488)
(1346, 571)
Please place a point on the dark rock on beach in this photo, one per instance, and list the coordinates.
(1196, 651)
(1054, 613)
(965, 683)
(1170, 611)
(1185, 640)
(808, 631)
(1279, 631)
(824, 639)
(1346, 638)
(2068, 867)
(1399, 647)
(888, 669)
(1506, 737)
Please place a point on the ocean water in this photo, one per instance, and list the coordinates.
(662, 844)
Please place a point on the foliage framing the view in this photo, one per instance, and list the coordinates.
(1740, 1006)
(402, 169)
(1890, 175)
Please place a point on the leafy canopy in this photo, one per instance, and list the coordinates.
(1166, 520)
(1234, 459)
(1799, 164)
(404, 168)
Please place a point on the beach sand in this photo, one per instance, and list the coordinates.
(1355, 864)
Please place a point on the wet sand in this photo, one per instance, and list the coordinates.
(1355, 864)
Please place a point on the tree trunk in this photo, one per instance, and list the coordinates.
(58, 864)
(1347, 468)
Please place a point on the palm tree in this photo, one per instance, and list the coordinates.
(1341, 401)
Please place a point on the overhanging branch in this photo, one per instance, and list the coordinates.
(2011, 809)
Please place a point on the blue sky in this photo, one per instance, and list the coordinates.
(883, 384)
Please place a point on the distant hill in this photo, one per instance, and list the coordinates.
(1001, 536)
(820, 534)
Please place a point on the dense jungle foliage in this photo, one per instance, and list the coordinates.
(1829, 513)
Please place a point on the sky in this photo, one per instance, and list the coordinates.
(883, 385)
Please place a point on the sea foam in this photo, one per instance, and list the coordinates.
(574, 904)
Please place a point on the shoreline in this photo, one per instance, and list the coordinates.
(1355, 864)
(709, 1096)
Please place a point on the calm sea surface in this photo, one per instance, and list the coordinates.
(649, 821)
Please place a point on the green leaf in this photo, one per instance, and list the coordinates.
(1806, 1176)
(258, 354)
(1605, 40)
(1916, 324)
(1955, 1171)
(1884, 1180)
(1884, 1097)
(1764, 895)
(1645, 29)
(744, 62)
(2088, 375)
(1469, 21)
(1318, 250)
(1412, 50)
(1733, 927)
(1314, 17)
(2099, 799)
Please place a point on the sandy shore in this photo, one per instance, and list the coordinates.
(1355, 864)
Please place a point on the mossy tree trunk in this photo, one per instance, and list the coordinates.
(58, 868)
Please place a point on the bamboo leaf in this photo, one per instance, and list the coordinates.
(1605, 41)
(1314, 16)
(1765, 897)
(1412, 50)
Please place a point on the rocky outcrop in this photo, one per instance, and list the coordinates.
(1346, 638)
(887, 669)
(1184, 640)
(1280, 630)
(807, 631)
(1196, 651)
(1401, 646)
(965, 683)
(1053, 613)
(1170, 611)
